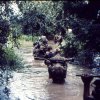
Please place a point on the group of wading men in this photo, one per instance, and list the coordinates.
(57, 66)
(42, 48)
(55, 56)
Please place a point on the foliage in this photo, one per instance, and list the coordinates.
(32, 22)
(52, 17)
(87, 34)
(84, 20)
(26, 38)
(93, 38)
(29, 38)
(2, 58)
(13, 60)
(9, 14)
(86, 9)
(39, 17)
(7, 55)
(4, 33)
(86, 58)
(4, 30)
(49, 8)
(83, 42)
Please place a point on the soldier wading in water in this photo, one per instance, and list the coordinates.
(57, 66)
(95, 95)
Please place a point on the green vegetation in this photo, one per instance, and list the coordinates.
(29, 38)
(14, 61)
(36, 18)
(26, 38)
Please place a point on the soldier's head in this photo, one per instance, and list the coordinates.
(57, 51)
(49, 48)
(47, 62)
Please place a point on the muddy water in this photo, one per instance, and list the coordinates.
(32, 82)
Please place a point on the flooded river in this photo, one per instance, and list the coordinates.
(32, 82)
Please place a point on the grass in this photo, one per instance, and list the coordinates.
(29, 38)
(27, 41)
(14, 61)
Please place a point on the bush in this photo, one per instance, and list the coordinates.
(13, 60)
(69, 51)
(2, 58)
(4, 30)
(85, 58)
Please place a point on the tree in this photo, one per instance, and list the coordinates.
(4, 33)
(45, 12)
(84, 20)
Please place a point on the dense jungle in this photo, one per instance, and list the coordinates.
(23, 23)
